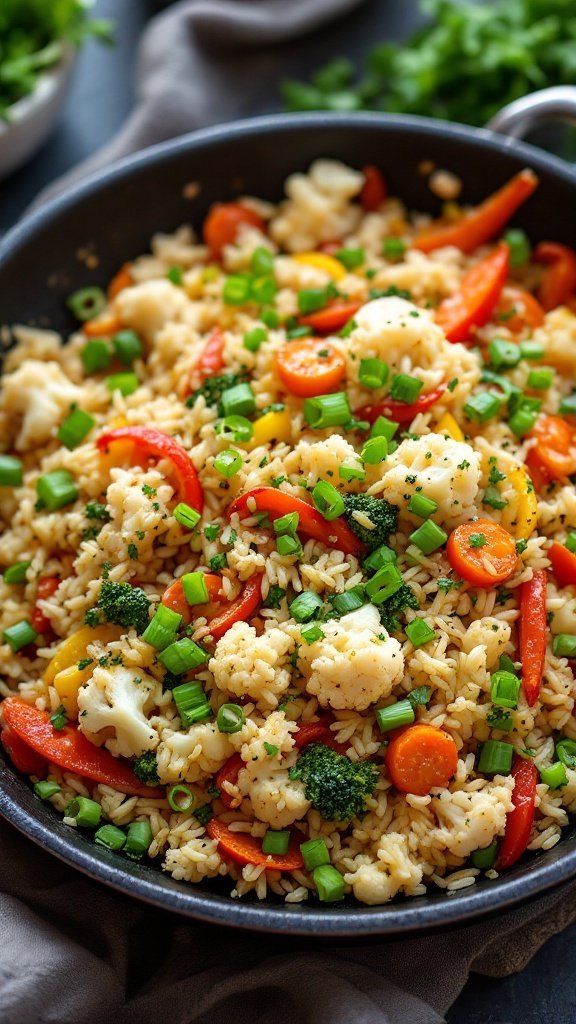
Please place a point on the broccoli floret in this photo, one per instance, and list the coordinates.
(379, 511)
(121, 604)
(395, 605)
(213, 387)
(334, 784)
(145, 767)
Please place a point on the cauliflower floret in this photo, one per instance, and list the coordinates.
(558, 335)
(277, 730)
(120, 699)
(37, 396)
(563, 617)
(471, 821)
(352, 667)
(318, 208)
(322, 459)
(275, 798)
(492, 634)
(375, 882)
(445, 470)
(147, 307)
(188, 756)
(247, 664)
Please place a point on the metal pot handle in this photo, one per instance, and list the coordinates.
(517, 118)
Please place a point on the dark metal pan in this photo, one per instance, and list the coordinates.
(113, 214)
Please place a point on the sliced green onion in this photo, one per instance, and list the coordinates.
(531, 349)
(230, 718)
(111, 837)
(422, 506)
(75, 428)
(329, 883)
(194, 587)
(374, 450)
(138, 839)
(506, 663)
(314, 853)
(236, 290)
(191, 702)
(96, 355)
(86, 812)
(125, 383)
(349, 600)
(350, 473)
(127, 346)
(568, 405)
(350, 258)
(162, 628)
(485, 858)
(228, 462)
(504, 689)
(186, 516)
(86, 303)
(393, 248)
(254, 338)
(174, 274)
(542, 378)
(328, 500)
(570, 543)
(493, 498)
(522, 421)
(373, 373)
(395, 715)
(46, 789)
(304, 607)
(482, 406)
(181, 799)
(405, 389)
(384, 583)
(11, 471)
(56, 489)
(554, 776)
(270, 318)
(16, 573)
(495, 758)
(275, 842)
(419, 632)
(312, 633)
(262, 261)
(286, 544)
(564, 645)
(566, 753)
(327, 410)
(182, 656)
(297, 332)
(287, 523)
(384, 428)
(238, 400)
(520, 248)
(19, 635)
(503, 354)
(263, 289)
(379, 557)
(428, 537)
(312, 299)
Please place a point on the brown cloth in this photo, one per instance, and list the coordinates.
(74, 952)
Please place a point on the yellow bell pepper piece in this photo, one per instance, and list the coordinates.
(521, 517)
(448, 425)
(67, 683)
(73, 648)
(272, 426)
(322, 261)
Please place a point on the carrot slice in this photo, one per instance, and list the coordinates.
(471, 307)
(223, 223)
(310, 366)
(22, 756)
(374, 190)
(482, 552)
(483, 222)
(420, 758)
(519, 821)
(558, 282)
(174, 598)
(555, 448)
(229, 773)
(246, 849)
(532, 633)
(335, 316)
(103, 326)
(123, 279)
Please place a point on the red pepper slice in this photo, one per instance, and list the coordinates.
(480, 289)
(239, 610)
(335, 316)
(277, 503)
(374, 190)
(484, 221)
(400, 412)
(70, 749)
(563, 564)
(558, 282)
(518, 310)
(221, 614)
(245, 849)
(211, 360)
(47, 585)
(223, 223)
(153, 444)
(229, 773)
(22, 756)
(519, 821)
(532, 629)
(174, 598)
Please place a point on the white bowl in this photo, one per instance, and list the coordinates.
(33, 117)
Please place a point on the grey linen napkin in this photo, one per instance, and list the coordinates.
(74, 952)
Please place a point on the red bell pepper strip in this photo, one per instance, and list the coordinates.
(563, 564)
(518, 310)
(246, 849)
(229, 773)
(400, 412)
(223, 223)
(482, 223)
(519, 821)
(331, 319)
(533, 628)
(239, 610)
(374, 190)
(22, 756)
(211, 360)
(174, 598)
(480, 289)
(69, 749)
(153, 444)
(558, 282)
(277, 503)
(221, 614)
(47, 585)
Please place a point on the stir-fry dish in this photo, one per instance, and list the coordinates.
(289, 546)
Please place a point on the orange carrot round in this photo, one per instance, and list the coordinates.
(310, 366)
(223, 223)
(123, 279)
(555, 448)
(482, 553)
(420, 758)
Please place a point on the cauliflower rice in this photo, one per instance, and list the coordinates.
(119, 526)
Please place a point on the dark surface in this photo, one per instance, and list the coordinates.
(101, 97)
